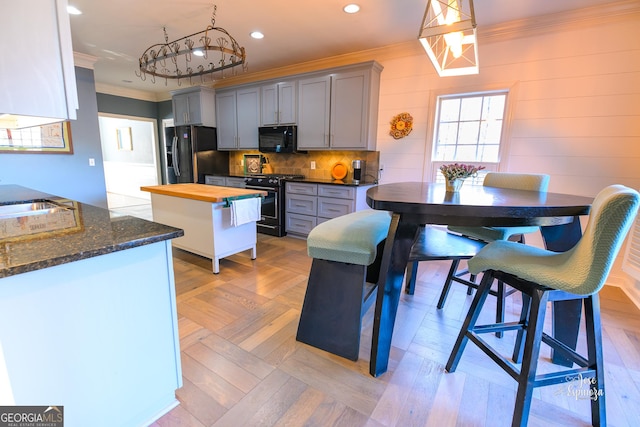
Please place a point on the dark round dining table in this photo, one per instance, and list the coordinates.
(418, 203)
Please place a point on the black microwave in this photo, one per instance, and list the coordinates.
(277, 139)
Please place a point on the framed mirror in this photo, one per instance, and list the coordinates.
(53, 138)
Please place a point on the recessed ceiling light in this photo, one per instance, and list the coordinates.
(351, 8)
(72, 10)
(257, 35)
(198, 52)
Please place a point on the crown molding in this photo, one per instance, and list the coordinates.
(83, 60)
(131, 93)
(385, 53)
(564, 21)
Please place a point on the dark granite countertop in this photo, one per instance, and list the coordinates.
(347, 183)
(94, 231)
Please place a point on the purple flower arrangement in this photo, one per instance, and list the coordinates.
(459, 171)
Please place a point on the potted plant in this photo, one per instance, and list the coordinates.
(455, 174)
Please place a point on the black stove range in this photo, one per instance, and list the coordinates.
(270, 180)
(273, 205)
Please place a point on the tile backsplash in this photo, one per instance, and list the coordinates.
(300, 163)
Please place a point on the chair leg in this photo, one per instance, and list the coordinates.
(522, 333)
(527, 377)
(500, 303)
(594, 350)
(447, 283)
(472, 278)
(470, 321)
(412, 273)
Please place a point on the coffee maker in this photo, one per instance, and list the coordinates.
(358, 171)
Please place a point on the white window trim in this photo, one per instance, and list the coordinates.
(431, 168)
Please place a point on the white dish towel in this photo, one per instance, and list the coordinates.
(245, 210)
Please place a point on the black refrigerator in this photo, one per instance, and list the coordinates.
(191, 153)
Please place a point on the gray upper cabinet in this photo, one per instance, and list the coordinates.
(238, 118)
(194, 106)
(340, 111)
(279, 102)
(350, 111)
(226, 118)
(314, 103)
(334, 109)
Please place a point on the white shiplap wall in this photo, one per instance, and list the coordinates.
(576, 114)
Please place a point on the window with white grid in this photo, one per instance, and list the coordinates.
(468, 129)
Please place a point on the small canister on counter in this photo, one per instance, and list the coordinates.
(358, 171)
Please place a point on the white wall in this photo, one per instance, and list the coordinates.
(576, 116)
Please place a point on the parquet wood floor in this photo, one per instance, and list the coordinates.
(242, 366)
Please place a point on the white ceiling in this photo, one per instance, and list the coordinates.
(118, 31)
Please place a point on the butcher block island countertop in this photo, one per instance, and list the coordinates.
(202, 192)
(204, 213)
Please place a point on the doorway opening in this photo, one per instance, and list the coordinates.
(130, 157)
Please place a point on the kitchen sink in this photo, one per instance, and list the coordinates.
(35, 217)
(42, 207)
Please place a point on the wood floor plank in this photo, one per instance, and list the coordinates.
(246, 360)
(357, 392)
(254, 400)
(501, 400)
(203, 314)
(276, 407)
(279, 346)
(390, 404)
(328, 413)
(225, 368)
(202, 406)
(266, 332)
(448, 399)
(475, 402)
(417, 406)
(223, 392)
(195, 337)
(178, 417)
(252, 321)
(302, 409)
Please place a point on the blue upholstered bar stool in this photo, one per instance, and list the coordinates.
(546, 276)
(452, 248)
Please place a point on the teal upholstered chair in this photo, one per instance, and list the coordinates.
(546, 276)
(445, 247)
(516, 181)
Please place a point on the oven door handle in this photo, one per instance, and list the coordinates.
(254, 187)
(273, 227)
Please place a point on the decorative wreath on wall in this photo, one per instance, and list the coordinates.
(401, 125)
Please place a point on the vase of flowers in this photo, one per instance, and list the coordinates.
(455, 174)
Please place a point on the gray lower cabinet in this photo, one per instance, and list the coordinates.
(231, 181)
(308, 205)
(215, 180)
(224, 181)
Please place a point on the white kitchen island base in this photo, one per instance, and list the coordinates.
(97, 336)
(207, 227)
